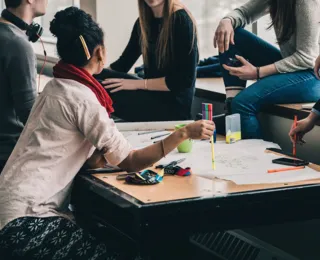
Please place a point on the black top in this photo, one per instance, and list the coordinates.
(317, 106)
(180, 74)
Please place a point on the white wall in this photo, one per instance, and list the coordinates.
(117, 18)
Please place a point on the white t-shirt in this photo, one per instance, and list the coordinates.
(65, 126)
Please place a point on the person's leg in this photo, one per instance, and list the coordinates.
(257, 51)
(51, 238)
(297, 87)
(140, 105)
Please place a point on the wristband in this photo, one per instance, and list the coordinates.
(258, 73)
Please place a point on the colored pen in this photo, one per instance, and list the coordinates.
(286, 169)
(155, 137)
(212, 152)
(212, 141)
(294, 152)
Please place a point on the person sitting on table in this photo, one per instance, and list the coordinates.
(165, 35)
(283, 76)
(18, 88)
(69, 121)
(306, 125)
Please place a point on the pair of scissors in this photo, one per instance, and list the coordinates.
(171, 164)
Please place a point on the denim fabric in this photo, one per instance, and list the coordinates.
(296, 87)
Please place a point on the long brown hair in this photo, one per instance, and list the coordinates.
(165, 42)
(283, 16)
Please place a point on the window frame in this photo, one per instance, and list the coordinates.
(50, 42)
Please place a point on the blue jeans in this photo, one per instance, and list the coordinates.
(295, 87)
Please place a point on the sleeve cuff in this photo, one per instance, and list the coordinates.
(233, 21)
(281, 68)
(116, 156)
(317, 112)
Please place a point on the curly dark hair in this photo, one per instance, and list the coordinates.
(67, 26)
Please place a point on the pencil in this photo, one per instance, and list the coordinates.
(286, 169)
(294, 152)
(155, 137)
(212, 152)
(208, 116)
(151, 132)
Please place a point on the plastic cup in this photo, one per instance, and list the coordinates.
(185, 146)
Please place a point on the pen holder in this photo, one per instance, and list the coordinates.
(233, 128)
(185, 146)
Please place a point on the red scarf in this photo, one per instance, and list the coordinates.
(67, 71)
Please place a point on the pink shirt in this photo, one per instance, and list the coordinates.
(65, 126)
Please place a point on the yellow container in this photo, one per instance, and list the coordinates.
(233, 128)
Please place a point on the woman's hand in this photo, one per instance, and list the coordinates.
(122, 84)
(224, 35)
(246, 72)
(303, 126)
(317, 68)
(198, 130)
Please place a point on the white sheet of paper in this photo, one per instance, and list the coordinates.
(279, 177)
(244, 162)
(241, 158)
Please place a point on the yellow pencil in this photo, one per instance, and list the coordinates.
(212, 151)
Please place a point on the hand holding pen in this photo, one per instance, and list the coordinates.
(302, 127)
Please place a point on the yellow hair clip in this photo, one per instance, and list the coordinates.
(85, 47)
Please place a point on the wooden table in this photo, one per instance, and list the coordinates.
(166, 214)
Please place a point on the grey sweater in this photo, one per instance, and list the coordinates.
(301, 51)
(17, 85)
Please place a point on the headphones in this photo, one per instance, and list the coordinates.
(33, 31)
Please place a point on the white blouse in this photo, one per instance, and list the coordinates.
(66, 125)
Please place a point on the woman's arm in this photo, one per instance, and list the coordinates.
(244, 15)
(94, 123)
(131, 53)
(141, 159)
(116, 85)
(250, 72)
(307, 48)
(248, 13)
(182, 70)
(304, 126)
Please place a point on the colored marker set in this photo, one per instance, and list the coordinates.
(207, 115)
